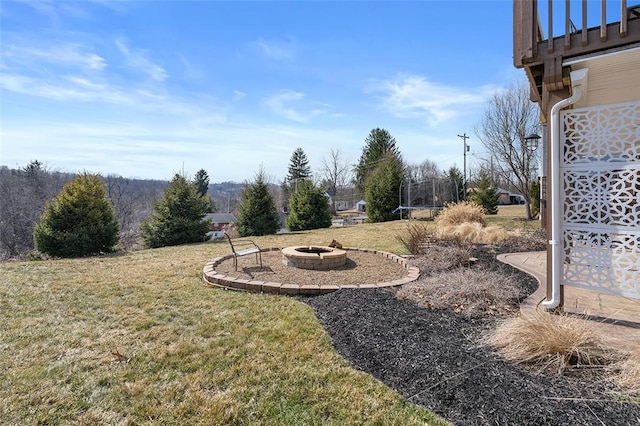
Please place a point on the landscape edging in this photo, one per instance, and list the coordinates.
(214, 279)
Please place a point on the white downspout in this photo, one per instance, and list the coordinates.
(578, 84)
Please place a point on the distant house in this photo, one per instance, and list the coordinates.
(342, 199)
(343, 205)
(361, 206)
(506, 197)
(218, 222)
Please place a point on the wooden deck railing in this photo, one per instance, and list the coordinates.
(530, 47)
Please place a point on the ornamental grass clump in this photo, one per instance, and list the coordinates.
(549, 342)
(472, 232)
(459, 213)
(628, 374)
(417, 238)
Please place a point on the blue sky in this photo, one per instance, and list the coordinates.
(147, 89)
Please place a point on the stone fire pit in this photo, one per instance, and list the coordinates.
(314, 257)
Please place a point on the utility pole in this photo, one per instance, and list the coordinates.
(464, 138)
(400, 198)
(409, 198)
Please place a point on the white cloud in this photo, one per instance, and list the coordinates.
(65, 54)
(191, 71)
(55, 10)
(73, 88)
(412, 96)
(137, 60)
(238, 95)
(276, 50)
(280, 103)
(231, 151)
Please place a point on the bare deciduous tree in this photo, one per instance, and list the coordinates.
(336, 173)
(23, 195)
(508, 119)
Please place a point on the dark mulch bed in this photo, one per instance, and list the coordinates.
(433, 358)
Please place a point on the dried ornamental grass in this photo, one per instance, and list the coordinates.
(549, 342)
(520, 240)
(628, 375)
(418, 238)
(472, 292)
(458, 213)
(472, 232)
(439, 258)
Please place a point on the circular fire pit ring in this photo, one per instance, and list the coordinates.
(314, 257)
(235, 280)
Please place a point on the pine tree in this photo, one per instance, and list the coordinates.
(457, 184)
(486, 196)
(257, 213)
(80, 221)
(177, 217)
(201, 181)
(298, 166)
(308, 208)
(378, 145)
(381, 192)
(299, 170)
(534, 194)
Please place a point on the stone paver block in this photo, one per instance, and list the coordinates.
(368, 286)
(290, 289)
(328, 288)
(254, 286)
(271, 287)
(238, 283)
(309, 289)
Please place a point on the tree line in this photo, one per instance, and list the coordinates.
(42, 209)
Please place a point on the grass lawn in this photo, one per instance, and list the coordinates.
(136, 339)
(513, 218)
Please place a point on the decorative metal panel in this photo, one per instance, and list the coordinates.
(600, 168)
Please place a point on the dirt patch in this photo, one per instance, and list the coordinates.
(433, 357)
(360, 268)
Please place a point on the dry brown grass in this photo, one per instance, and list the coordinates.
(459, 213)
(136, 338)
(439, 258)
(472, 232)
(526, 240)
(416, 237)
(549, 342)
(628, 374)
(470, 291)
